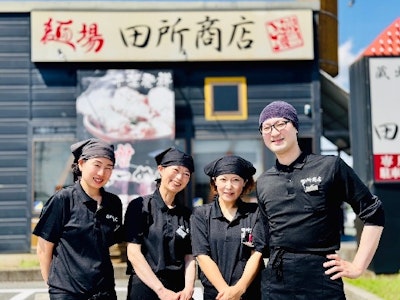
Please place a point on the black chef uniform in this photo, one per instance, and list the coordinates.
(303, 206)
(165, 240)
(82, 234)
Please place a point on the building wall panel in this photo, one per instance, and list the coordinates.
(15, 109)
(35, 95)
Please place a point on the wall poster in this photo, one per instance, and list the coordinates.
(135, 111)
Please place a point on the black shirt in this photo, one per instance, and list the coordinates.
(82, 235)
(162, 232)
(215, 236)
(302, 202)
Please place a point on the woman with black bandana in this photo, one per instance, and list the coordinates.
(227, 237)
(77, 226)
(160, 261)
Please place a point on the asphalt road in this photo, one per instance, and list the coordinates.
(35, 290)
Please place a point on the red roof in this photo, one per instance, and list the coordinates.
(387, 43)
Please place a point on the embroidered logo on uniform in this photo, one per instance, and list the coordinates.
(311, 184)
(115, 219)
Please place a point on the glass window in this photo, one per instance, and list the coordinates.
(225, 98)
(51, 170)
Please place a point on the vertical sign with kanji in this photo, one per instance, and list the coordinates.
(384, 76)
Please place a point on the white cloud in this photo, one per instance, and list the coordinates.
(347, 56)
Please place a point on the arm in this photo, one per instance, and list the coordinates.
(211, 270)
(369, 241)
(190, 277)
(250, 271)
(146, 274)
(369, 209)
(45, 254)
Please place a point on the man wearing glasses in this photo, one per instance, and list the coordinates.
(300, 199)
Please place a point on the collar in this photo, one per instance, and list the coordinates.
(297, 164)
(160, 202)
(86, 199)
(217, 213)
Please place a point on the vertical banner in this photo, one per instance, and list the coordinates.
(135, 111)
(384, 76)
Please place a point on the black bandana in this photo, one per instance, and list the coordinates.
(92, 148)
(175, 157)
(230, 164)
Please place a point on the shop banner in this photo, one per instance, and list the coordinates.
(135, 111)
(83, 36)
(384, 76)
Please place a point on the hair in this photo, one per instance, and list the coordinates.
(247, 189)
(76, 172)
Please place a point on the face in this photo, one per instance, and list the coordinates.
(174, 178)
(95, 172)
(229, 187)
(283, 137)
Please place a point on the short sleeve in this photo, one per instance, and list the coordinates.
(368, 207)
(134, 221)
(52, 218)
(261, 234)
(199, 229)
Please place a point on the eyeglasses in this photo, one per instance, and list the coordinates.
(280, 125)
(236, 181)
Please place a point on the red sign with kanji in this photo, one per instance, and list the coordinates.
(386, 167)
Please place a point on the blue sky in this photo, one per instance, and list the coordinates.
(359, 25)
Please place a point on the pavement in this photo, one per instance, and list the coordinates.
(25, 267)
(18, 267)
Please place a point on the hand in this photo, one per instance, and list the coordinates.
(229, 293)
(341, 268)
(166, 294)
(186, 294)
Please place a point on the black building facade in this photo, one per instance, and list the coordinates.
(38, 112)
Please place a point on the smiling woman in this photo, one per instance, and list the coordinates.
(88, 221)
(227, 236)
(160, 263)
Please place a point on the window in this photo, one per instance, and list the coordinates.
(225, 98)
(52, 170)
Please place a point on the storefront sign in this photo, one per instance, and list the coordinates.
(63, 36)
(384, 76)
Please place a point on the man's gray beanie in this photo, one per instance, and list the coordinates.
(279, 109)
